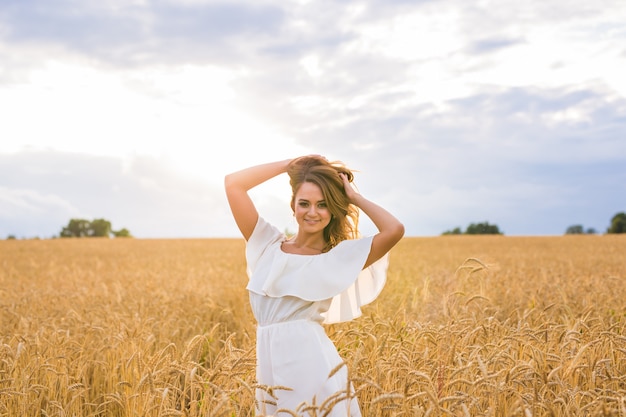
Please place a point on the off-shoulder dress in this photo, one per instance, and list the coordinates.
(291, 296)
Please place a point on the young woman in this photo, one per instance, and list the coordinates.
(323, 274)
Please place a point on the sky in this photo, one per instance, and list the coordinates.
(451, 111)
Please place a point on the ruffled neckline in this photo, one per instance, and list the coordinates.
(339, 275)
(281, 250)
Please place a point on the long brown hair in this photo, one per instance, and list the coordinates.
(319, 171)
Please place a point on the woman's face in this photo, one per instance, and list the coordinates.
(310, 209)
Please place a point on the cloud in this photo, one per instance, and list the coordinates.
(69, 22)
(517, 124)
(29, 212)
(532, 158)
(140, 33)
(492, 44)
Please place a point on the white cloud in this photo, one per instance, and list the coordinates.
(421, 35)
(30, 202)
(30, 212)
(312, 66)
(187, 115)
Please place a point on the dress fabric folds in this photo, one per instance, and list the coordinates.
(291, 296)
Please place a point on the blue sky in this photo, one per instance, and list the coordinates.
(451, 111)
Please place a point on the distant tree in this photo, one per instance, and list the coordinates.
(618, 223)
(122, 233)
(76, 228)
(100, 228)
(576, 229)
(476, 229)
(482, 229)
(95, 228)
(591, 231)
(11, 237)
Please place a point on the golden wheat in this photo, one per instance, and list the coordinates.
(466, 326)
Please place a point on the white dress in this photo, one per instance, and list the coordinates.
(291, 296)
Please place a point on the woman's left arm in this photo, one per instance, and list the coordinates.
(390, 229)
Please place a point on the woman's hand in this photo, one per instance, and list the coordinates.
(390, 230)
(351, 192)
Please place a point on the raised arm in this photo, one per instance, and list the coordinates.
(237, 186)
(390, 229)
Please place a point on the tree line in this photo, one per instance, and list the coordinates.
(88, 228)
(483, 228)
(618, 225)
(93, 228)
(103, 228)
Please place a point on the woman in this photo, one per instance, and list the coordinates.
(321, 275)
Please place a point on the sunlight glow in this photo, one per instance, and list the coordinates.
(188, 117)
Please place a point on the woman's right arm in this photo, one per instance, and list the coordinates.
(237, 185)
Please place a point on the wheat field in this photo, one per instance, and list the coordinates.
(466, 326)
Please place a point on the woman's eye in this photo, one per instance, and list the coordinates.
(303, 204)
(321, 205)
